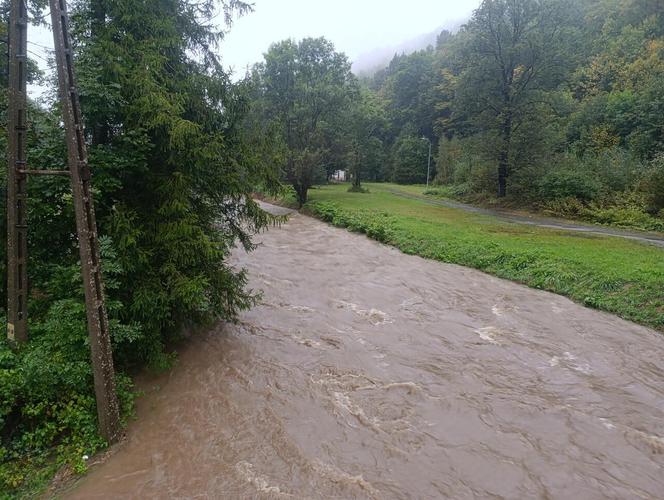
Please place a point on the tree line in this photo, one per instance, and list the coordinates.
(556, 103)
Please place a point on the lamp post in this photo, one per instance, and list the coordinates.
(429, 161)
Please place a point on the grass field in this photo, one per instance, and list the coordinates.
(620, 276)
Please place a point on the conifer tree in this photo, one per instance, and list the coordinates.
(174, 175)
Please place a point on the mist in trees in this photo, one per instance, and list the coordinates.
(552, 103)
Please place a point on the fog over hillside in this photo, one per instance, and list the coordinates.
(369, 62)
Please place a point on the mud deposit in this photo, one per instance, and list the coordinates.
(366, 373)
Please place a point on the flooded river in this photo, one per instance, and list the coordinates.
(366, 373)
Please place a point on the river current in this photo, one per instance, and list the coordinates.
(367, 373)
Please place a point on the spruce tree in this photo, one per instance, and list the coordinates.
(174, 175)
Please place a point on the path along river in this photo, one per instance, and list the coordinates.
(366, 373)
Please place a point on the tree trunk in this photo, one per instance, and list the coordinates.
(502, 177)
(356, 171)
(301, 194)
(357, 181)
(504, 158)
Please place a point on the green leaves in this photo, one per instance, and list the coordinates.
(410, 159)
(301, 91)
(164, 122)
(172, 181)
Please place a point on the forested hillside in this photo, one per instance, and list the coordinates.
(551, 104)
(554, 103)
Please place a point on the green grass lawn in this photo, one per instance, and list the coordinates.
(620, 276)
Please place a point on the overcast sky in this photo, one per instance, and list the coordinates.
(356, 27)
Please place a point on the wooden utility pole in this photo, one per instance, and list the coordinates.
(79, 174)
(17, 227)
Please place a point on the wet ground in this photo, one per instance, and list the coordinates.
(652, 238)
(366, 373)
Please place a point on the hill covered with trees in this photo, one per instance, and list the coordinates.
(552, 104)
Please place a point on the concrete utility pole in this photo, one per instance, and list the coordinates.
(429, 161)
(79, 174)
(17, 196)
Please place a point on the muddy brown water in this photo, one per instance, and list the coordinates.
(366, 373)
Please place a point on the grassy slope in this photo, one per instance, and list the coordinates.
(612, 274)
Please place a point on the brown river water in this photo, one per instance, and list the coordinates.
(366, 373)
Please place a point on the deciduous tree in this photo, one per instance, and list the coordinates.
(304, 87)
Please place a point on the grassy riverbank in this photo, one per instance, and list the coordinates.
(627, 215)
(617, 275)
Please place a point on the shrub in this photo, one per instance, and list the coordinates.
(569, 207)
(450, 191)
(625, 210)
(560, 184)
(410, 161)
(376, 225)
(627, 217)
(616, 169)
(48, 414)
(652, 185)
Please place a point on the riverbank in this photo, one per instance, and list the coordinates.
(617, 275)
(614, 221)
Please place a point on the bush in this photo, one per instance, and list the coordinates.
(450, 154)
(410, 161)
(617, 169)
(48, 415)
(450, 191)
(627, 217)
(625, 210)
(376, 225)
(561, 184)
(569, 207)
(652, 185)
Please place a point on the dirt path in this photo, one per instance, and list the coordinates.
(366, 373)
(656, 239)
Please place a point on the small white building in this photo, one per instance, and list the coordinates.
(339, 176)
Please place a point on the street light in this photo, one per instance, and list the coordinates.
(429, 160)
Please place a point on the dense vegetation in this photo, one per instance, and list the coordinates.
(608, 273)
(551, 104)
(171, 175)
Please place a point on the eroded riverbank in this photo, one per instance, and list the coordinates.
(367, 373)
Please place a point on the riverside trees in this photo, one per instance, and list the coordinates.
(514, 52)
(302, 93)
(555, 104)
(172, 178)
